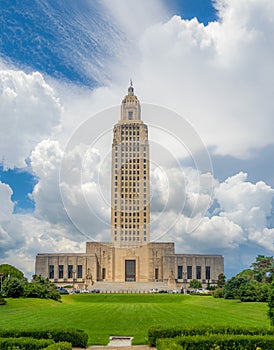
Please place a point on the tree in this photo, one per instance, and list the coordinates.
(13, 287)
(231, 289)
(11, 271)
(247, 274)
(195, 284)
(263, 268)
(249, 291)
(271, 305)
(41, 287)
(221, 280)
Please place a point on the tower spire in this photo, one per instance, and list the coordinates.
(130, 88)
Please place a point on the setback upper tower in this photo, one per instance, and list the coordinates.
(130, 107)
(130, 212)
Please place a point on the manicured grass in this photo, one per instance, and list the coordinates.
(102, 315)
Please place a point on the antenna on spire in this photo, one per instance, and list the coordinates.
(130, 89)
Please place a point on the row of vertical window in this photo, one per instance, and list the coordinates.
(135, 207)
(130, 162)
(71, 273)
(132, 153)
(129, 223)
(130, 132)
(133, 233)
(130, 189)
(130, 226)
(131, 239)
(181, 274)
(130, 207)
(133, 138)
(129, 145)
(132, 170)
(133, 145)
(133, 199)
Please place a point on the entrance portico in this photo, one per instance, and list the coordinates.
(130, 270)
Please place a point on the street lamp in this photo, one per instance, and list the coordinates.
(1, 276)
(185, 280)
(73, 277)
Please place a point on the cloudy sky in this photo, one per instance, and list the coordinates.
(203, 71)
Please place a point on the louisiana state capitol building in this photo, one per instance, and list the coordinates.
(130, 197)
(129, 257)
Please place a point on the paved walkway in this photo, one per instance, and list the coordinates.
(132, 347)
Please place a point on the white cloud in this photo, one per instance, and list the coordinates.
(247, 205)
(10, 228)
(73, 200)
(239, 221)
(29, 110)
(218, 76)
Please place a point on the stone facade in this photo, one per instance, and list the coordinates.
(130, 195)
(130, 256)
(152, 262)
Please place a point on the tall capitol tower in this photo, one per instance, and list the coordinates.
(129, 256)
(130, 197)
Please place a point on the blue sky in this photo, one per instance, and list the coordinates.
(63, 61)
(28, 45)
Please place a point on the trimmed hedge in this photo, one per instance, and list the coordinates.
(168, 344)
(60, 346)
(217, 341)
(158, 332)
(24, 343)
(78, 338)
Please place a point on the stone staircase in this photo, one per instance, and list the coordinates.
(130, 287)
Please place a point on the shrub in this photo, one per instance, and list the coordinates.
(76, 337)
(226, 342)
(218, 293)
(41, 287)
(195, 284)
(232, 286)
(156, 332)
(13, 287)
(60, 346)
(2, 300)
(24, 343)
(168, 344)
(271, 305)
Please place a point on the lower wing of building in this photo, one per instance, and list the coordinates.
(153, 262)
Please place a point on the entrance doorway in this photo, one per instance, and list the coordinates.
(103, 273)
(130, 270)
(156, 274)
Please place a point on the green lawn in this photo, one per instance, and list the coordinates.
(102, 315)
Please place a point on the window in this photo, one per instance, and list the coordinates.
(207, 272)
(180, 272)
(198, 272)
(79, 271)
(189, 272)
(51, 271)
(61, 271)
(103, 273)
(70, 271)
